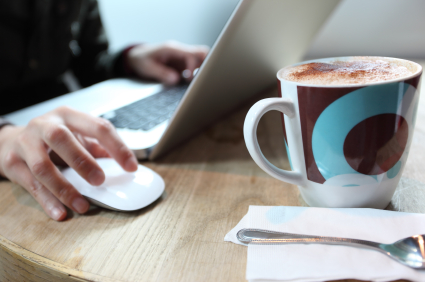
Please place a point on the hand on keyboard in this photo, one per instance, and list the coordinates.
(168, 62)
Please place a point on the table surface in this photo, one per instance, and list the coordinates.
(210, 182)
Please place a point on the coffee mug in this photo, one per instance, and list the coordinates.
(347, 144)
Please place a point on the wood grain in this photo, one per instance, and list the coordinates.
(210, 182)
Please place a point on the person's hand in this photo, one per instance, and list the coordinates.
(167, 62)
(77, 139)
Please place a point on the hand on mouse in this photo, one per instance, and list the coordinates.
(76, 138)
(166, 62)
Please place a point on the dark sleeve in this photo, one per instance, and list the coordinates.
(4, 122)
(92, 62)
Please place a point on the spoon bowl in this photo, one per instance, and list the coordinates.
(409, 251)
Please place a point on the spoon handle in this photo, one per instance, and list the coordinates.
(259, 236)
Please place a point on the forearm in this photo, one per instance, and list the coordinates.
(94, 67)
(6, 130)
(3, 123)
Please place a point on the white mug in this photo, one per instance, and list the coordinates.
(347, 144)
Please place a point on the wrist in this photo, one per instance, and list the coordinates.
(4, 122)
(6, 131)
(5, 127)
(127, 65)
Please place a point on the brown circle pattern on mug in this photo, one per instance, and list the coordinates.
(371, 148)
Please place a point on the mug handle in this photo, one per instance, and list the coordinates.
(285, 106)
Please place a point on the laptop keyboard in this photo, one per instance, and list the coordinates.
(148, 112)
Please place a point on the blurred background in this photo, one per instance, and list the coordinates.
(394, 28)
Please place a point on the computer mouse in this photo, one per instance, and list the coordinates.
(122, 190)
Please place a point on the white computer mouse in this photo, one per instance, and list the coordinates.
(121, 191)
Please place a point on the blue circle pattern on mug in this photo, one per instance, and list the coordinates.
(339, 118)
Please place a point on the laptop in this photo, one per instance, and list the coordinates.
(260, 37)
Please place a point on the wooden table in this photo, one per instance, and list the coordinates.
(210, 182)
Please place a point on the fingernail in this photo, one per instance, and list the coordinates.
(80, 205)
(172, 78)
(96, 177)
(131, 164)
(187, 74)
(56, 213)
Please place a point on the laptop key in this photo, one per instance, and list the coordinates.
(120, 123)
(129, 117)
(148, 126)
(135, 125)
(148, 112)
(162, 118)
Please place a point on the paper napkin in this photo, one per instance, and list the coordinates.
(315, 262)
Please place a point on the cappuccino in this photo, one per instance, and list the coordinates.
(347, 127)
(356, 70)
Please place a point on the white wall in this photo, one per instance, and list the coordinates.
(374, 27)
(358, 27)
(188, 21)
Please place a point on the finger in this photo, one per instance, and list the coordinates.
(93, 147)
(191, 64)
(186, 58)
(104, 132)
(200, 52)
(43, 169)
(161, 72)
(172, 64)
(21, 175)
(63, 142)
(201, 58)
(90, 144)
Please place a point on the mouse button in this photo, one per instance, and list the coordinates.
(115, 199)
(76, 180)
(144, 176)
(113, 171)
(119, 181)
(96, 192)
(100, 204)
(145, 187)
(128, 192)
(150, 183)
(110, 167)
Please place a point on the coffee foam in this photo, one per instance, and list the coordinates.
(357, 70)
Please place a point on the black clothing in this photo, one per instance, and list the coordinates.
(41, 39)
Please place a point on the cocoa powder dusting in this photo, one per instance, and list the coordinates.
(357, 71)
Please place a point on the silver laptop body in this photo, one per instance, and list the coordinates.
(260, 37)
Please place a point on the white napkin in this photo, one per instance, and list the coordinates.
(315, 262)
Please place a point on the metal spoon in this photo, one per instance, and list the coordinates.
(408, 251)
